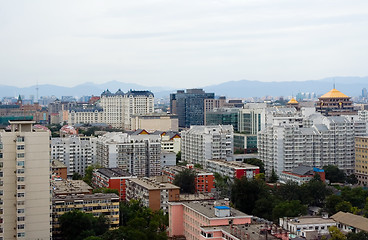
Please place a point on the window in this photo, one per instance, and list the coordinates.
(21, 218)
(21, 186)
(21, 234)
(20, 179)
(20, 194)
(20, 210)
(20, 147)
(20, 163)
(1, 155)
(20, 155)
(20, 139)
(20, 170)
(21, 226)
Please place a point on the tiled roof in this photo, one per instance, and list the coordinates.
(334, 93)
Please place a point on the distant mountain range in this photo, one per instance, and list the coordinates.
(351, 86)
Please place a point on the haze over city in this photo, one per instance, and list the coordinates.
(180, 43)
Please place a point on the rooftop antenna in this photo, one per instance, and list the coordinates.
(37, 92)
(334, 85)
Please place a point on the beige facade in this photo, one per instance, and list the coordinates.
(361, 160)
(153, 122)
(25, 182)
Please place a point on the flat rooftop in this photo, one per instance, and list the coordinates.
(254, 231)
(84, 197)
(182, 168)
(207, 208)
(57, 164)
(311, 220)
(66, 187)
(113, 172)
(152, 184)
(234, 164)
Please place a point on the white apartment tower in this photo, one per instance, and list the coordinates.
(25, 205)
(317, 142)
(119, 107)
(76, 152)
(138, 154)
(201, 143)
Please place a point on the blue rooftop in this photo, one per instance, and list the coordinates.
(222, 207)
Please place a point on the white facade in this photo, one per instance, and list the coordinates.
(80, 116)
(317, 141)
(201, 143)
(138, 154)
(25, 206)
(118, 108)
(304, 225)
(76, 152)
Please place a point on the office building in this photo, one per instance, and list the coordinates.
(201, 143)
(189, 106)
(76, 152)
(155, 122)
(25, 206)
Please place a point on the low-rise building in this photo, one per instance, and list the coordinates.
(112, 178)
(59, 169)
(348, 222)
(307, 226)
(153, 194)
(232, 169)
(205, 180)
(190, 219)
(70, 187)
(302, 174)
(97, 204)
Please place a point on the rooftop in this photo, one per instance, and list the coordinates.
(152, 184)
(350, 219)
(243, 231)
(293, 101)
(95, 196)
(113, 172)
(311, 220)
(234, 164)
(206, 208)
(57, 164)
(334, 93)
(66, 187)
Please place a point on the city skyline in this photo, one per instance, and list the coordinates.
(180, 44)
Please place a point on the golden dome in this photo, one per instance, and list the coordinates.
(293, 101)
(334, 94)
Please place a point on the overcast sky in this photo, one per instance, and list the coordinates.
(186, 43)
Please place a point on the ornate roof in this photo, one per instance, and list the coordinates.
(334, 93)
(293, 101)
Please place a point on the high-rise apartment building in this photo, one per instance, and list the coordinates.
(189, 106)
(76, 152)
(137, 154)
(25, 205)
(317, 141)
(201, 143)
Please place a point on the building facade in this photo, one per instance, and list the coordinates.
(361, 160)
(232, 169)
(152, 193)
(140, 155)
(25, 209)
(335, 103)
(201, 143)
(155, 122)
(189, 106)
(76, 152)
(317, 141)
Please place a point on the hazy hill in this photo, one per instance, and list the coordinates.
(351, 86)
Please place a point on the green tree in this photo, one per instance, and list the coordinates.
(256, 162)
(314, 192)
(78, 225)
(273, 178)
(76, 176)
(292, 208)
(289, 191)
(89, 173)
(331, 203)
(245, 193)
(334, 174)
(186, 181)
(362, 235)
(223, 185)
(178, 157)
(336, 234)
(352, 179)
(344, 206)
